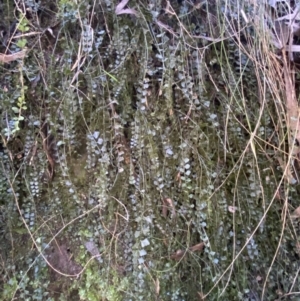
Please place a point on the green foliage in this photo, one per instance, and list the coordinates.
(21, 43)
(110, 288)
(134, 136)
(9, 289)
(23, 24)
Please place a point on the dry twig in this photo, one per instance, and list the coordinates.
(6, 58)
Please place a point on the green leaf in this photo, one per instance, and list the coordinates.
(21, 43)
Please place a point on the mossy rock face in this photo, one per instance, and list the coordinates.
(141, 139)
